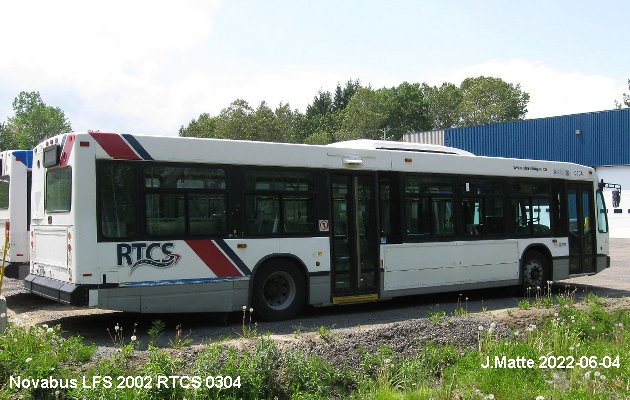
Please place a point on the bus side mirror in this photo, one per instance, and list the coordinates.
(616, 198)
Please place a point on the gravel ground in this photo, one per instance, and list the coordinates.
(404, 338)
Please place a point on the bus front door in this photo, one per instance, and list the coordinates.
(354, 238)
(581, 215)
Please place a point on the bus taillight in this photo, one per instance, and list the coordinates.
(7, 226)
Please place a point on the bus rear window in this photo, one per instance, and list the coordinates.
(58, 189)
(4, 192)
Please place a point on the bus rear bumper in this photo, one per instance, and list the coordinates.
(59, 291)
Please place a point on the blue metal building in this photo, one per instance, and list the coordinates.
(592, 139)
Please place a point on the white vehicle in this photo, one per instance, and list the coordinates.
(169, 225)
(15, 184)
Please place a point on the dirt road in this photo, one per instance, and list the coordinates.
(93, 323)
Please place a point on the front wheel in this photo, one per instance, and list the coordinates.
(279, 291)
(535, 270)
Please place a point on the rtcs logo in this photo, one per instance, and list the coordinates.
(158, 255)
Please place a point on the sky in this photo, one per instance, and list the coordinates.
(149, 67)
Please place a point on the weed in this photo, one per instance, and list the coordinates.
(155, 331)
(325, 333)
(524, 304)
(247, 331)
(436, 316)
(180, 341)
(460, 312)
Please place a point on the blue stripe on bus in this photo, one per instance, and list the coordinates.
(233, 256)
(25, 156)
(137, 146)
(179, 281)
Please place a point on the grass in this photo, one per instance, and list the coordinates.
(586, 332)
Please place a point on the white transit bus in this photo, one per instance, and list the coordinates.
(15, 184)
(170, 225)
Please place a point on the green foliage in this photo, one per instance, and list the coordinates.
(385, 113)
(155, 331)
(365, 116)
(38, 352)
(442, 103)
(241, 121)
(180, 340)
(487, 100)
(477, 101)
(436, 316)
(357, 112)
(32, 122)
(257, 371)
(310, 374)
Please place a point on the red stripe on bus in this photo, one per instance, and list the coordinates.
(115, 146)
(67, 150)
(214, 258)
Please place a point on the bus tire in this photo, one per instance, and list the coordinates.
(279, 290)
(535, 272)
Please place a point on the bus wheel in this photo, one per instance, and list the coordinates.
(279, 291)
(535, 272)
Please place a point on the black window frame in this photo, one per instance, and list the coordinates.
(56, 170)
(431, 236)
(186, 192)
(5, 182)
(281, 195)
(503, 182)
(529, 198)
(140, 193)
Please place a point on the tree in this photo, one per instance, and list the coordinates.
(322, 104)
(487, 100)
(203, 127)
(240, 121)
(235, 121)
(385, 113)
(364, 117)
(407, 110)
(343, 96)
(626, 99)
(33, 122)
(442, 105)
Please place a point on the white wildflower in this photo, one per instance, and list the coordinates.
(28, 360)
(603, 377)
(49, 330)
(540, 397)
(587, 375)
(133, 338)
(597, 374)
(251, 310)
(45, 326)
(116, 328)
(244, 308)
(480, 328)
